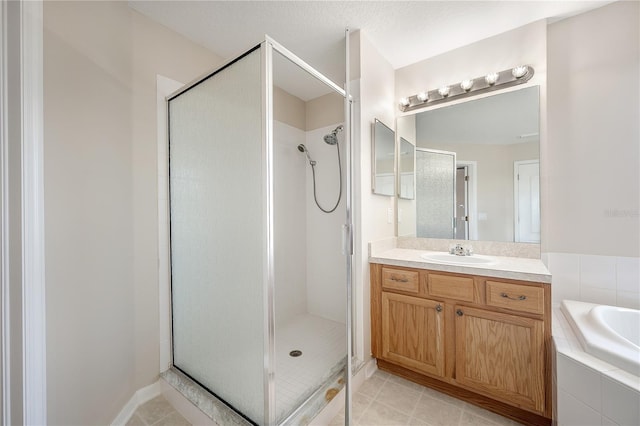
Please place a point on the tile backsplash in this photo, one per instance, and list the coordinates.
(608, 280)
(493, 248)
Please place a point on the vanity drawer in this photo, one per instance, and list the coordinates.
(450, 287)
(400, 279)
(515, 296)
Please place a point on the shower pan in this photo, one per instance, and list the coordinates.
(260, 280)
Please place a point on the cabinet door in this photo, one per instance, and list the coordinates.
(501, 356)
(413, 333)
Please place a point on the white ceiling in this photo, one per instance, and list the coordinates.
(404, 32)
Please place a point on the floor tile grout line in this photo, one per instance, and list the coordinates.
(135, 413)
(415, 407)
(465, 410)
(363, 411)
(377, 392)
(164, 417)
(420, 393)
(391, 407)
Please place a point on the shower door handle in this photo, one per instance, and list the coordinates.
(347, 240)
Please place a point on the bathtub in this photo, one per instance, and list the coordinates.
(609, 333)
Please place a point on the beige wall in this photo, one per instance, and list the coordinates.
(156, 50)
(590, 144)
(325, 110)
(376, 100)
(289, 109)
(593, 152)
(100, 66)
(524, 45)
(12, 39)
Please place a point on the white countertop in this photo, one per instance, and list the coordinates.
(516, 268)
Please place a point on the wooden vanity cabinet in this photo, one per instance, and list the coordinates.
(501, 355)
(482, 339)
(413, 332)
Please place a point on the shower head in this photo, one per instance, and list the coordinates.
(332, 138)
(304, 149)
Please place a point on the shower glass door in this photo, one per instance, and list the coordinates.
(310, 304)
(218, 236)
(435, 193)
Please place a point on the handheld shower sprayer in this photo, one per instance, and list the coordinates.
(304, 150)
(331, 139)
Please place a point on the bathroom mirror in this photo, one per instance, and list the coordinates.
(406, 169)
(383, 159)
(495, 174)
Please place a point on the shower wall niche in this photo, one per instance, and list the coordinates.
(258, 276)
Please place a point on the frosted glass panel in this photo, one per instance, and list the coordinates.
(217, 234)
(435, 193)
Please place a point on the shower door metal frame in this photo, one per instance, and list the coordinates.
(267, 90)
(266, 50)
(453, 177)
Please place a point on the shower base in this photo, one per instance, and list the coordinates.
(302, 382)
(323, 345)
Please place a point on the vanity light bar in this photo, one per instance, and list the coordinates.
(470, 87)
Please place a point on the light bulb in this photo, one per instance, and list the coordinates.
(491, 78)
(444, 91)
(520, 71)
(422, 96)
(404, 102)
(466, 85)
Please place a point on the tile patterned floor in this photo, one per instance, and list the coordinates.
(382, 400)
(157, 412)
(387, 400)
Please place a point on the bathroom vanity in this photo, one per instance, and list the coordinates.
(478, 332)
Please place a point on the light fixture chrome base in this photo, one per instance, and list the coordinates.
(505, 78)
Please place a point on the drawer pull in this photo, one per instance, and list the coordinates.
(459, 312)
(399, 280)
(439, 308)
(506, 296)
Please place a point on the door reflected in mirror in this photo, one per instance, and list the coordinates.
(477, 170)
(406, 169)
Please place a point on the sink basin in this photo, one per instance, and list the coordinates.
(452, 259)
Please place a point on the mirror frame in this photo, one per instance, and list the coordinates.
(375, 147)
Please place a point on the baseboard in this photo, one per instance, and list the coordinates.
(370, 368)
(141, 396)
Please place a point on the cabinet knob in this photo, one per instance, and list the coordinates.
(459, 312)
(439, 308)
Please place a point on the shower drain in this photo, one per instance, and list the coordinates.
(295, 353)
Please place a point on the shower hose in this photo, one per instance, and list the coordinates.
(315, 197)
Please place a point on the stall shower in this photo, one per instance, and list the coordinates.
(259, 272)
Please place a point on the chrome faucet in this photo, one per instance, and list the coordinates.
(460, 250)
